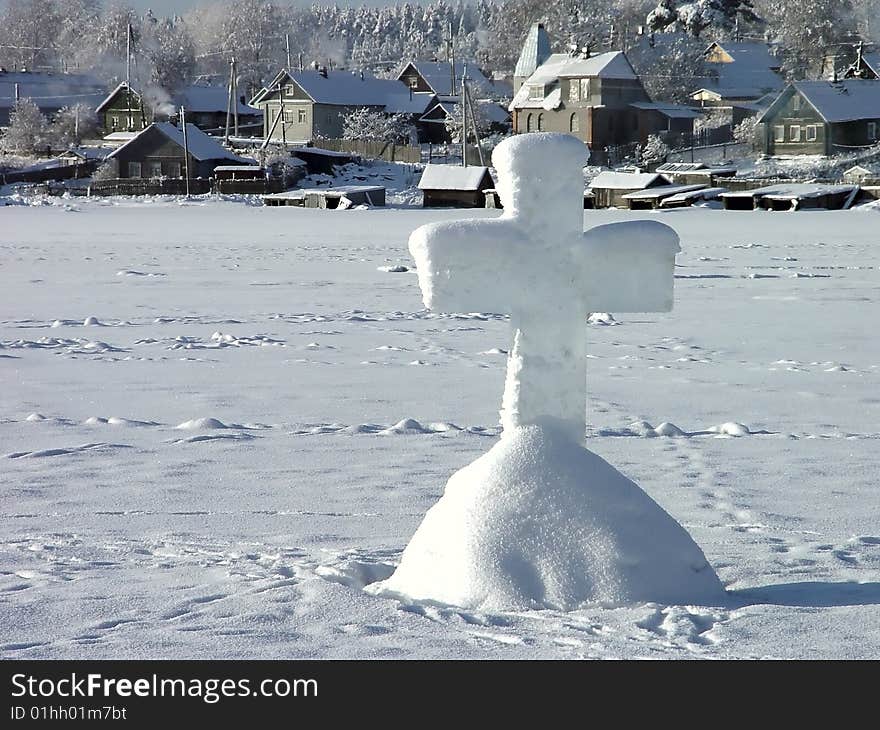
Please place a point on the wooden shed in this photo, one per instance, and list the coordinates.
(455, 186)
(609, 188)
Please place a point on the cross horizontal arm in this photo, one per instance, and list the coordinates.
(470, 265)
(626, 267)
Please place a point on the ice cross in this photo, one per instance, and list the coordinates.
(536, 264)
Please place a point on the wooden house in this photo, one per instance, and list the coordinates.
(437, 77)
(822, 118)
(122, 110)
(455, 186)
(609, 188)
(300, 106)
(158, 151)
(206, 108)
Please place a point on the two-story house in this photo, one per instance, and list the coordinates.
(122, 110)
(822, 118)
(591, 98)
(300, 106)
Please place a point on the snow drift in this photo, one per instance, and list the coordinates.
(541, 522)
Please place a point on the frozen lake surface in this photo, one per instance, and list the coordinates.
(204, 449)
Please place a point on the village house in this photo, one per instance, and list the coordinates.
(432, 125)
(316, 101)
(597, 98)
(49, 91)
(739, 72)
(744, 78)
(437, 77)
(206, 107)
(822, 118)
(122, 110)
(158, 151)
(865, 66)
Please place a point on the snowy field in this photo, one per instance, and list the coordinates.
(204, 449)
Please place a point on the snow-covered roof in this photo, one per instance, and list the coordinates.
(238, 168)
(438, 75)
(403, 102)
(872, 61)
(681, 166)
(608, 180)
(89, 153)
(347, 88)
(690, 195)
(611, 65)
(662, 191)
(790, 191)
(200, 145)
(754, 70)
(452, 177)
(673, 111)
(835, 101)
(206, 99)
(48, 90)
(535, 51)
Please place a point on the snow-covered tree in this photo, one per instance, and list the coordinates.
(72, 124)
(670, 65)
(455, 122)
(375, 125)
(28, 128)
(654, 149)
(746, 131)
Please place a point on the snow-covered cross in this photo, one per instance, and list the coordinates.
(536, 264)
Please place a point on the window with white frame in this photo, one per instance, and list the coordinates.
(794, 133)
(574, 124)
(779, 133)
(540, 122)
(301, 116)
(134, 169)
(574, 90)
(812, 133)
(154, 167)
(796, 103)
(536, 92)
(585, 89)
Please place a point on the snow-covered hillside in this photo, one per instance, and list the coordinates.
(220, 422)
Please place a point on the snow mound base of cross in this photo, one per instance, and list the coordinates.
(540, 521)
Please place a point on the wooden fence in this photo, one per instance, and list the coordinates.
(388, 151)
(62, 172)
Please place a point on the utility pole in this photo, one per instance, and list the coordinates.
(235, 93)
(283, 120)
(464, 119)
(469, 106)
(128, 74)
(287, 43)
(185, 148)
(229, 99)
(452, 57)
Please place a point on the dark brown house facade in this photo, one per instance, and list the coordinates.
(822, 118)
(598, 99)
(158, 151)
